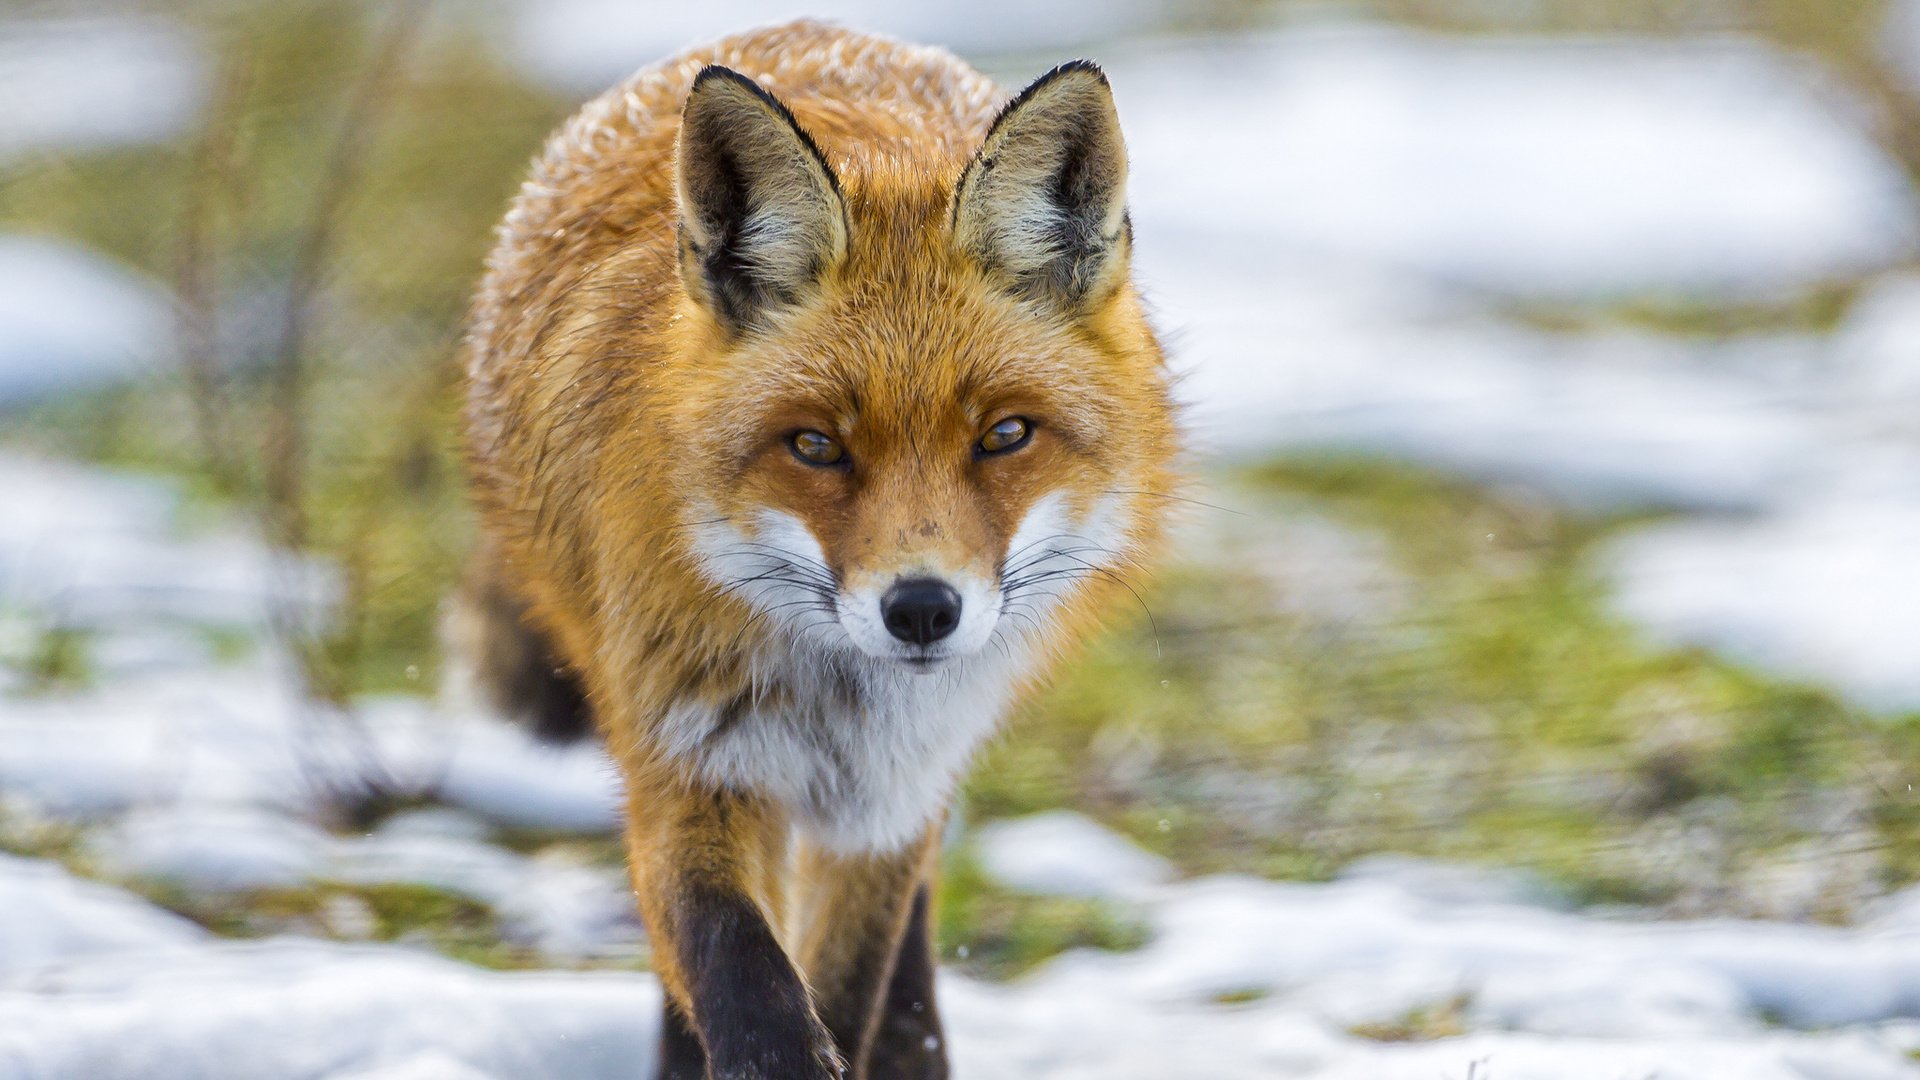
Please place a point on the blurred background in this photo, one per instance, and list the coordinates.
(1554, 371)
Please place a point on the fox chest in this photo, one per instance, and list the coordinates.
(863, 758)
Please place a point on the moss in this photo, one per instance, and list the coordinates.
(27, 834)
(1816, 309)
(1444, 1020)
(60, 660)
(443, 921)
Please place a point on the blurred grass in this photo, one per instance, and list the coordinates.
(446, 922)
(1492, 712)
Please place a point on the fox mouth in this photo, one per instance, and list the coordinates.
(918, 659)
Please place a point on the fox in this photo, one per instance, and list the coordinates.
(812, 419)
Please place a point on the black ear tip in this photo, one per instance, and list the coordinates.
(1080, 66)
(730, 79)
(718, 71)
(1072, 70)
(721, 73)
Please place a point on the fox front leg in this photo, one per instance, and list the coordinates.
(858, 914)
(737, 1008)
(908, 1043)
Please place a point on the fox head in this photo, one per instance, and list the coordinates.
(923, 411)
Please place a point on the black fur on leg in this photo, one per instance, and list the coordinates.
(681, 1056)
(910, 1044)
(749, 1006)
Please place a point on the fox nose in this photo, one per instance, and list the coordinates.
(920, 611)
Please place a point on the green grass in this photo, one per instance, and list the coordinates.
(59, 660)
(1817, 309)
(394, 912)
(1442, 1020)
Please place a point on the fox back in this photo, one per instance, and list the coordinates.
(812, 416)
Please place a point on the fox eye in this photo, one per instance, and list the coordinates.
(1009, 434)
(816, 449)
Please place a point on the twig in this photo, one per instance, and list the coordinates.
(196, 278)
(286, 436)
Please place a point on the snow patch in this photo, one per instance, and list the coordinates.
(1522, 166)
(1061, 853)
(298, 1009)
(71, 319)
(52, 917)
(84, 84)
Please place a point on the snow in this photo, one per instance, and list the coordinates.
(565, 910)
(1821, 584)
(1063, 854)
(299, 1009)
(495, 771)
(1544, 994)
(99, 551)
(212, 778)
(1296, 357)
(212, 849)
(1532, 167)
(71, 319)
(1229, 935)
(86, 550)
(1900, 41)
(1828, 593)
(53, 917)
(84, 84)
(1444, 883)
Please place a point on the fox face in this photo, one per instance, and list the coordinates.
(929, 415)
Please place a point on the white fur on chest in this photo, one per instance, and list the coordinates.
(862, 754)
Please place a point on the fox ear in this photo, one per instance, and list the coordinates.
(761, 216)
(1044, 203)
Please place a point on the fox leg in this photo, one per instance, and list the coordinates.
(855, 916)
(681, 1055)
(706, 871)
(909, 1043)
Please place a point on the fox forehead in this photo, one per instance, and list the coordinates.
(895, 349)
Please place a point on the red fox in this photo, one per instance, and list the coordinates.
(812, 417)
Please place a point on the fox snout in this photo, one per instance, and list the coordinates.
(920, 617)
(920, 611)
